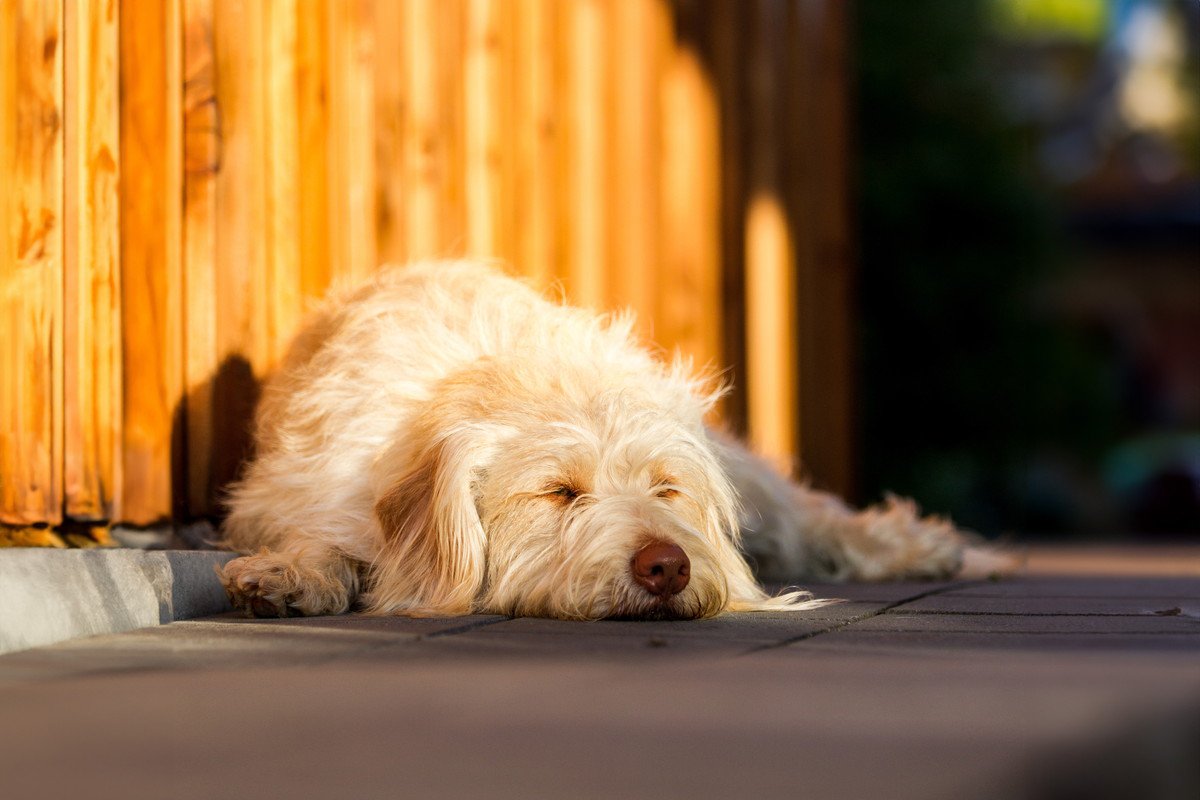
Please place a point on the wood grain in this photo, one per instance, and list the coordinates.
(312, 99)
(151, 256)
(283, 162)
(31, 266)
(391, 112)
(92, 275)
(689, 308)
(351, 129)
(641, 51)
(425, 166)
(770, 255)
(538, 131)
(488, 152)
(202, 158)
(586, 94)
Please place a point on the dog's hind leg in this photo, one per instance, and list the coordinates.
(791, 532)
(890, 541)
(305, 581)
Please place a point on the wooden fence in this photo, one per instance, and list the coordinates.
(179, 177)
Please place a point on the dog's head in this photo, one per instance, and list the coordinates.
(577, 491)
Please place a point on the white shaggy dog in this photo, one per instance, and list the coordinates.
(445, 441)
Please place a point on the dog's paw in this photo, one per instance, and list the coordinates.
(270, 584)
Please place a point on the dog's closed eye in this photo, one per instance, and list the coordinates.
(561, 492)
(663, 488)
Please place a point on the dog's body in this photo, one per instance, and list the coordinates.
(444, 441)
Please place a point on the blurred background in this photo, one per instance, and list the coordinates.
(946, 248)
(1028, 224)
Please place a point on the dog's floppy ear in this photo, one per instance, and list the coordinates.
(433, 559)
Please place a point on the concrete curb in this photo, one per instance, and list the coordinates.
(48, 596)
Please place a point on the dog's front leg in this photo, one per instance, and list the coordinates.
(306, 581)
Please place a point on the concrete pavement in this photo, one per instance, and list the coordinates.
(1040, 687)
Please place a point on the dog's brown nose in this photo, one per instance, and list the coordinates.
(661, 568)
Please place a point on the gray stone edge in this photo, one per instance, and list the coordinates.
(49, 596)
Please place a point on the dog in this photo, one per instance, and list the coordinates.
(446, 441)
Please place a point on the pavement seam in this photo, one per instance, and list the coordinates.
(416, 639)
(917, 612)
(1181, 632)
(470, 626)
(854, 620)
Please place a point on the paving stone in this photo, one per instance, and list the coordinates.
(904, 620)
(1008, 660)
(1174, 589)
(991, 604)
(990, 641)
(228, 641)
(418, 626)
(729, 634)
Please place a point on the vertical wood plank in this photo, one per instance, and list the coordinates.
(31, 266)
(771, 328)
(424, 136)
(202, 160)
(433, 164)
(312, 98)
(538, 127)
(282, 159)
(243, 347)
(151, 242)
(641, 47)
(487, 59)
(242, 261)
(92, 346)
(689, 302)
(587, 100)
(351, 138)
(723, 38)
(391, 112)
(452, 203)
(814, 122)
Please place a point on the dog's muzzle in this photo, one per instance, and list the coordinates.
(662, 569)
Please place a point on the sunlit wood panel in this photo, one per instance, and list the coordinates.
(642, 50)
(391, 111)
(586, 94)
(770, 266)
(31, 231)
(487, 119)
(538, 132)
(689, 308)
(92, 277)
(151, 254)
(351, 49)
(202, 159)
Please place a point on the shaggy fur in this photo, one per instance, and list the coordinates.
(446, 441)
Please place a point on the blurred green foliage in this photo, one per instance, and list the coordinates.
(965, 380)
(1079, 19)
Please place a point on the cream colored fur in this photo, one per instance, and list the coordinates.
(418, 450)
